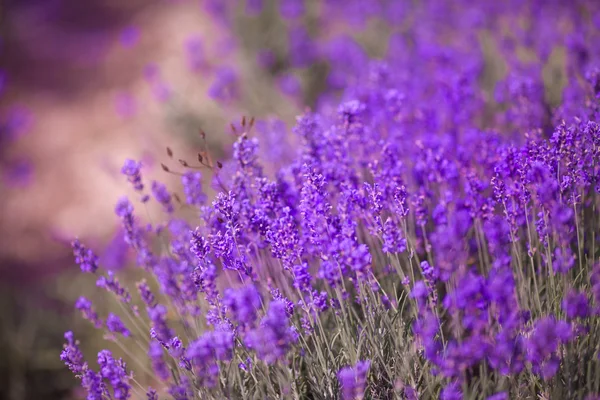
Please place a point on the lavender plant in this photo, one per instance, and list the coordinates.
(415, 240)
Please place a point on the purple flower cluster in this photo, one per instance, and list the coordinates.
(354, 380)
(112, 371)
(442, 230)
(87, 260)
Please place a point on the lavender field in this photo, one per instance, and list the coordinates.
(427, 227)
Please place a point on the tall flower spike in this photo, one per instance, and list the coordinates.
(156, 354)
(192, 188)
(162, 195)
(112, 284)
(84, 257)
(115, 325)
(114, 371)
(132, 170)
(85, 306)
(72, 356)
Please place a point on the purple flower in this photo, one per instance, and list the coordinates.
(192, 188)
(111, 284)
(84, 257)
(158, 319)
(410, 393)
(114, 324)
(499, 396)
(115, 372)
(393, 242)
(284, 238)
(245, 152)
(183, 390)
(542, 346)
(387, 171)
(302, 278)
(291, 9)
(563, 260)
(243, 303)
(575, 305)
(194, 50)
(126, 107)
(16, 122)
(71, 355)
(429, 272)
(151, 394)
(93, 384)
(85, 306)
(205, 351)
(19, 173)
(273, 338)
(132, 170)
(146, 294)
(452, 391)
(225, 86)
(351, 110)
(200, 247)
(162, 195)
(161, 91)
(289, 85)
(419, 290)
(353, 380)
(130, 36)
(302, 50)
(159, 365)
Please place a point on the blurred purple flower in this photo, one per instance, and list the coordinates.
(125, 105)
(129, 36)
(302, 50)
(159, 366)
(575, 304)
(114, 324)
(85, 306)
(289, 85)
(291, 9)
(116, 252)
(84, 257)
(114, 371)
(225, 86)
(254, 7)
(194, 50)
(16, 121)
(353, 380)
(19, 173)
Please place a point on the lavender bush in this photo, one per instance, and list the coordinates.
(417, 238)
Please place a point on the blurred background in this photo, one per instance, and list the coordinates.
(85, 85)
